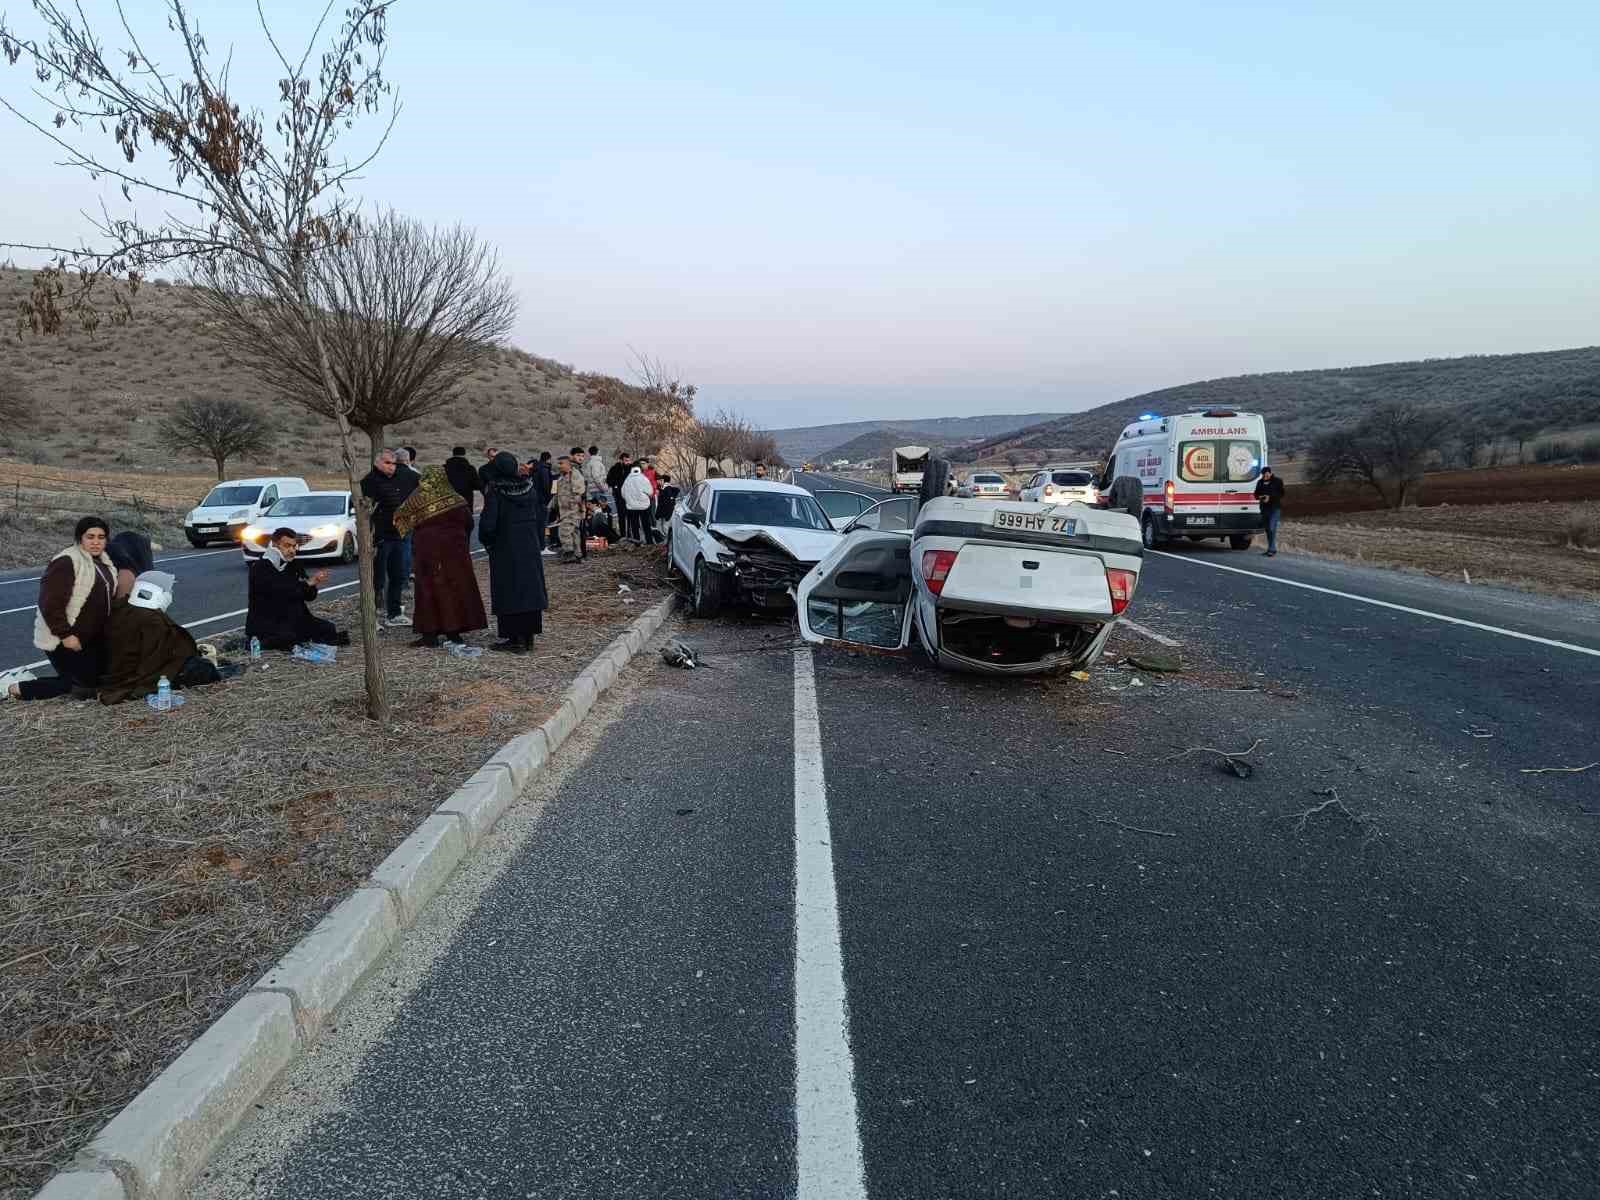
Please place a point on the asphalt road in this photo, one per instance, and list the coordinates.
(1033, 947)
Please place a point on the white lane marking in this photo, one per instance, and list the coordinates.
(6, 612)
(1145, 631)
(828, 1139)
(1416, 612)
(158, 562)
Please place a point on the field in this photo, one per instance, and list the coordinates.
(99, 399)
(1540, 546)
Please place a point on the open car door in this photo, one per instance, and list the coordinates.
(843, 507)
(860, 595)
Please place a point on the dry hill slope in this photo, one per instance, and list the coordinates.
(99, 399)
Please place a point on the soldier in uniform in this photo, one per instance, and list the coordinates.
(569, 495)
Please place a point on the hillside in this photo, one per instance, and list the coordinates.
(1509, 396)
(819, 441)
(99, 399)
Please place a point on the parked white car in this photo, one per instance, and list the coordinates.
(1011, 588)
(235, 503)
(984, 485)
(324, 521)
(1061, 485)
(747, 542)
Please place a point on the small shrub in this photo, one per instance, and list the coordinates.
(1580, 532)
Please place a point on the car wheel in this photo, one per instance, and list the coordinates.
(1127, 495)
(347, 552)
(1147, 533)
(707, 591)
(1240, 541)
(935, 479)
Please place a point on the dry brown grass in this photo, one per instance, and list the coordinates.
(101, 398)
(1546, 547)
(153, 866)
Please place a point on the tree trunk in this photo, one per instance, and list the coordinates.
(220, 461)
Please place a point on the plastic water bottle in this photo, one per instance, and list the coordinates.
(255, 649)
(163, 694)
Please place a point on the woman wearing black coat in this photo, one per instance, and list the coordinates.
(510, 527)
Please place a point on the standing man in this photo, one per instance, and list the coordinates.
(463, 476)
(1269, 494)
(594, 473)
(615, 478)
(486, 472)
(761, 470)
(570, 495)
(388, 487)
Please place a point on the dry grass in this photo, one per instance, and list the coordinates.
(153, 866)
(101, 398)
(1546, 547)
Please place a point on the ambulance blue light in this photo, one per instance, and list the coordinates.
(1147, 416)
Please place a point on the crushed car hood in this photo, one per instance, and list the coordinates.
(804, 545)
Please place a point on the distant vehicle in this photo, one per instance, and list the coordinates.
(840, 464)
(231, 505)
(1002, 589)
(1191, 475)
(1058, 485)
(984, 485)
(748, 542)
(909, 464)
(324, 521)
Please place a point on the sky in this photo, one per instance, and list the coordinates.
(833, 211)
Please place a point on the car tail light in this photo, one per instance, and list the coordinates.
(1121, 584)
(936, 566)
(1170, 495)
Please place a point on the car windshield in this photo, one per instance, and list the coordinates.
(308, 506)
(767, 508)
(1072, 478)
(223, 496)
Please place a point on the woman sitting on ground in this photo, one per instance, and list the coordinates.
(280, 592)
(69, 624)
(447, 601)
(145, 644)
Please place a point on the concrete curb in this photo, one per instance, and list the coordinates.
(153, 1148)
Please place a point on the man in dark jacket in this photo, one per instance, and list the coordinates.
(280, 591)
(1269, 494)
(463, 476)
(388, 488)
(615, 478)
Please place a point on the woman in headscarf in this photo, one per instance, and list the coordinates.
(448, 602)
(509, 528)
(69, 624)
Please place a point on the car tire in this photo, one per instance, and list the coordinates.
(1127, 495)
(347, 551)
(1240, 541)
(1148, 534)
(708, 591)
(935, 479)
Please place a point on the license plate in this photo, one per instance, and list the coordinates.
(208, 529)
(1035, 522)
(1202, 520)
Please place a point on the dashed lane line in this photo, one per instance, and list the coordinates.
(828, 1137)
(1146, 631)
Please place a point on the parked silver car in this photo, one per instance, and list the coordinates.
(984, 485)
(1061, 485)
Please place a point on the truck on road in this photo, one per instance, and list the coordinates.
(909, 464)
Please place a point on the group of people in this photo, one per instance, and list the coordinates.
(102, 617)
(102, 623)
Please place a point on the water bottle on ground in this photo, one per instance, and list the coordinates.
(462, 650)
(163, 694)
(255, 649)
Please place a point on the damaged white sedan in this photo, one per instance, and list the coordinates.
(748, 542)
(1006, 589)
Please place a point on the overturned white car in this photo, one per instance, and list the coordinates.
(1009, 589)
(749, 542)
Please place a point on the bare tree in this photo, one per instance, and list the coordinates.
(761, 447)
(721, 437)
(218, 428)
(1387, 449)
(232, 184)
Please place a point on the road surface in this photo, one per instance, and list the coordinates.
(818, 925)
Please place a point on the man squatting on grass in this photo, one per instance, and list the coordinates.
(280, 592)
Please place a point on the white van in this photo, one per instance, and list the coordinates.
(1196, 472)
(233, 504)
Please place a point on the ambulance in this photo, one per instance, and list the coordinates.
(1197, 473)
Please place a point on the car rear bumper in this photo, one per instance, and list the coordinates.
(1202, 523)
(1001, 660)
